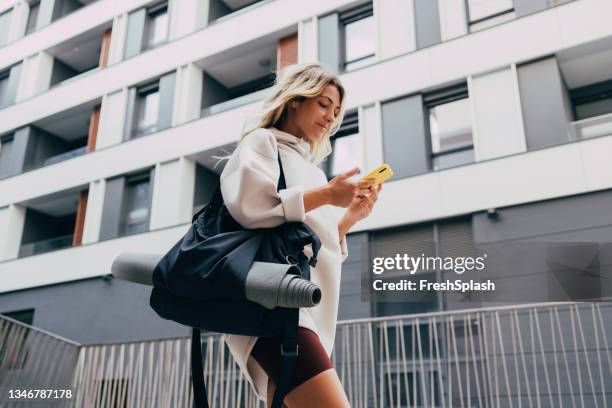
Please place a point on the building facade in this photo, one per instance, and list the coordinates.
(496, 116)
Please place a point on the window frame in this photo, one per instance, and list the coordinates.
(347, 17)
(151, 13)
(131, 181)
(30, 30)
(350, 123)
(141, 93)
(486, 18)
(438, 98)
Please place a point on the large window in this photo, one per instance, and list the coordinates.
(4, 87)
(359, 36)
(6, 147)
(33, 17)
(146, 108)
(347, 149)
(487, 13)
(156, 26)
(592, 105)
(137, 204)
(450, 127)
(5, 22)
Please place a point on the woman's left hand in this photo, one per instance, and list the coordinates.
(362, 204)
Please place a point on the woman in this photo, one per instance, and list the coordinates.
(305, 108)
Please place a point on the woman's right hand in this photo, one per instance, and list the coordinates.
(341, 191)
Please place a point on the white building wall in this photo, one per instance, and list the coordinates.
(112, 119)
(35, 76)
(186, 16)
(93, 212)
(118, 35)
(19, 22)
(308, 40)
(187, 94)
(453, 19)
(173, 190)
(371, 132)
(12, 219)
(497, 121)
(395, 26)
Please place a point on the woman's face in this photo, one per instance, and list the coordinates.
(313, 117)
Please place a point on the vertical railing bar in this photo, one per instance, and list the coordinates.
(494, 352)
(439, 361)
(457, 369)
(537, 323)
(533, 358)
(404, 362)
(520, 342)
(554, 347)
(586, 356)
(468, 386)
(567, 369)
(599, 364)
(489, 391)
(449, 370)
(578, 369)
(503, 359)
(604, 337)
(421, 364)
(373, 370)
(387, 353)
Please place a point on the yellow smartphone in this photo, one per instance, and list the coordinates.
(381, 174)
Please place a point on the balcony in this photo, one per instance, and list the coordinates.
(530, 355)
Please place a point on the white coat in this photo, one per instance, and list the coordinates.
(248, 186)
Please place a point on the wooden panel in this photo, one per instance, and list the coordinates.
(287, 51)
(80, 219)
(93, 129)
(104, 49)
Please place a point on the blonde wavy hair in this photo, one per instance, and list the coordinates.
(296, 83)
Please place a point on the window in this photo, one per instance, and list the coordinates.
(359, 35)
(5, 22)
(347, 149)
(156, 26)
(486, 13)
(6, 147)
(146, 110)
(592, 105)
(450, 127)
(4, 87)
(137, 203)
(33, 17)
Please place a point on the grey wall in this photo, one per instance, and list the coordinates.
(329, 42)
(8, 98)
(351, 306)
(212, 92)
(65, 7)
(112, 208)
(21, 149)
(427, 19)
(524, 7)
(94, 311)
(61, 72)
(166, 100)
(135, 32)
(542, 98)
(206, 182)
(406, 145)
(129, 114)
(217, 9)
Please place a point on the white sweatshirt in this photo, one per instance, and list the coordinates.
(248, 186)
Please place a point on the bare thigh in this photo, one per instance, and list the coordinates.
(323, 390)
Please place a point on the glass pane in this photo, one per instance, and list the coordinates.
(5, 157)
(347, 153)
(360, 39)
(4, 82)
(5, 22)
(480, 9)
(450, 125)
(591, 109)
(148, 107)
(448, 160)
(32, 18)
(158, 28)
(137, 206)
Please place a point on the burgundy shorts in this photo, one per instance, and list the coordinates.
(311, 359)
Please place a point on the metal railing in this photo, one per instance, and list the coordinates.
(591, 127)
(46, 245)
(540, 355)
(65, 156)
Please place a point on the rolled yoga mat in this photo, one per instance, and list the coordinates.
(268, 284)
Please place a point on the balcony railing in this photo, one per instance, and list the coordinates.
(236, 102)
(591, 127)
(65, 156)
(544, 355)
(46, 245)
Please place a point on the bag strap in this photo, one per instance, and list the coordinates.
(197, 372)
(289, 352)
